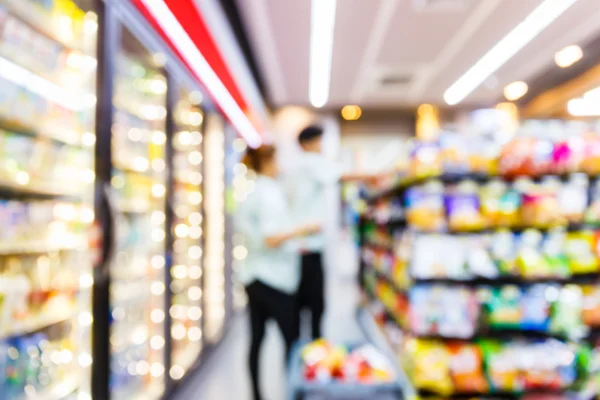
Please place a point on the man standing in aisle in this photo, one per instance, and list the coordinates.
(309, 181)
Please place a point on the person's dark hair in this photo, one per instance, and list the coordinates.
(255, 159)
(310, 133)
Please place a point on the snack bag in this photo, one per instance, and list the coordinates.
(425, 207)
(503, 308)
(500, 205)
(462, 208)
(453, 154)
(591, 306)
(430, 366)
(479, 259)
(425, 160)
(466, 369)
(591, 160)
(552, 250)
(424, 309)
(573, 198)
(580, 248)
(541, 207)
(459, 313)
(503, 250)
(531, 262)
(568, 155)
(567, 312)
(535, 309)
(500, 361)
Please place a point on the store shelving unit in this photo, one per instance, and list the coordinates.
(393, 283)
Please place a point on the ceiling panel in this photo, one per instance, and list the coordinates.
(350, 43)
(422, 45)
(416, 38)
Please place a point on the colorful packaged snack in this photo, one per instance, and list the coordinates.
(591, 160)
(462, 208)
(500, 205)
(425, 160)
(580, 248)
(552, 250)
(503, 250)
(540, 207)
(430, 363)
(425, 207)
(458, 312)
(590, 312)
(479, 259)
(502, 371)
(568, 155)
(567, 312)
(531, 262)
(535, 309)
(573, 198)
(466, 369)
(503, 307)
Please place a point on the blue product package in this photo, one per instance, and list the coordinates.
(535, 309)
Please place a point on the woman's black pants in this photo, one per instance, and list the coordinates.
(265, 303)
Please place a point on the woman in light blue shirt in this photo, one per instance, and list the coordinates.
(271, 273)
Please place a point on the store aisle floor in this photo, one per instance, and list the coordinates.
(225, 376)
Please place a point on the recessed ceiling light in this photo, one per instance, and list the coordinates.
(506, 48)
(568, 56)
(351, 112)
(321, 50)
(516, 90)
(583, 108)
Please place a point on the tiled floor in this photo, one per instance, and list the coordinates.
(225, 375)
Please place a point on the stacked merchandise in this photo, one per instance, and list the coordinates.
(47, 74)
(186, 272)
(138, 180)
(487, 258)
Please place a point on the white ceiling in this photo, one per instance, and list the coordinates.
(378, 38)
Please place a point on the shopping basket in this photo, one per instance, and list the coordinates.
(300, 389)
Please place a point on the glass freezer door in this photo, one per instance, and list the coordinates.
(47, 108)
(137, 287)
(186, 271)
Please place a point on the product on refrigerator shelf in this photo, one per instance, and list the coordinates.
(425, 207)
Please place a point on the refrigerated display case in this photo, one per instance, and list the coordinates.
(47, 99)
(214, 277)
(137, 288)
(187, 231)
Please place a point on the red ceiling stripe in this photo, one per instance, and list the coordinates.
(190, 19)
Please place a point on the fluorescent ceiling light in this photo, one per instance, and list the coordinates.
(568, 56)
(593, 94)
(321, 50)
(179, 37)
(506, 48)
(516, 90)
(583, 108)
